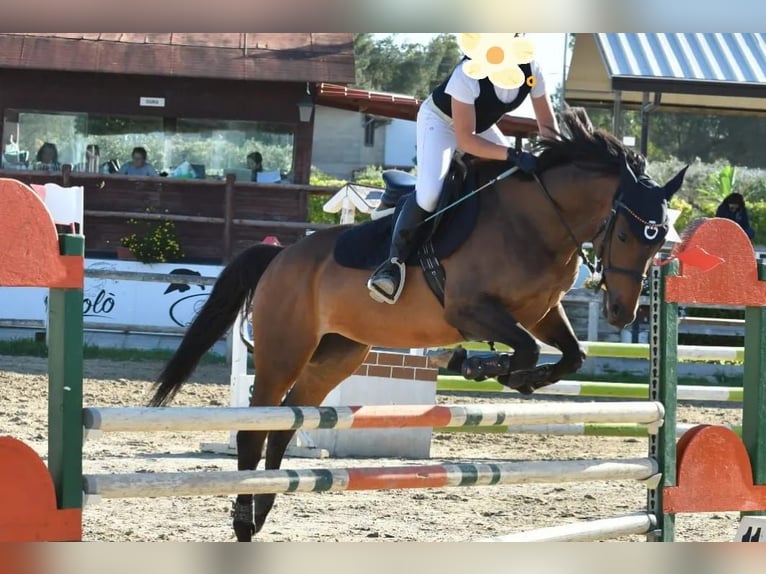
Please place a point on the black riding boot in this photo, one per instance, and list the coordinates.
(387, 281)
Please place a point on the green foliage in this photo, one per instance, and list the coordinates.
(153, 241)
(412, 69)
(317, 214)
(687, 212)
(717, 186)
(320, 179)
(690, 137)
(757, 212)
(705, 185)
(370, 175)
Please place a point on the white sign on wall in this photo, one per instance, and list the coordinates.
(152, 102)
(124, 302)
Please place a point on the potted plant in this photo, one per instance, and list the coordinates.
(153, 241)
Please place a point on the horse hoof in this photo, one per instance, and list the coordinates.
(244, 531)
(517, 383)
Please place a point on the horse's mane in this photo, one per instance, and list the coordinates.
(580, 143)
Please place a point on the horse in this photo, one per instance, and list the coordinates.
(314, 320)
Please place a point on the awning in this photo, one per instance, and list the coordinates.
(400, 106)
(721, 73)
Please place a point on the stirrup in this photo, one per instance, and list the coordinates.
(381, 296)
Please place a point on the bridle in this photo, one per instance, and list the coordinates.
(596, 267)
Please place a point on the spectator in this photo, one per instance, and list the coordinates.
(733, 207)
(48, 157)
(138, 165)
(92, 160)
(254, 164)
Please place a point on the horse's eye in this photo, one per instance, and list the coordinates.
(622, 236)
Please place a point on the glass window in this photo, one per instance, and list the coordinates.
(34, 140)
(116, 136)
(175, 147)
(223, 146)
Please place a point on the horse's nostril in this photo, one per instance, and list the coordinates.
(615, 308)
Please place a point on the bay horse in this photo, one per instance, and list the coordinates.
(314, 320)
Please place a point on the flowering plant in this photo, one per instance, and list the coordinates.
(155, 241)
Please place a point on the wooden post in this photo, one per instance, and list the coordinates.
(228, 216)
(303, 143)
(66, 172)
(617, 114)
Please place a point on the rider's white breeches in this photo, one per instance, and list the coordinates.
(436, 144)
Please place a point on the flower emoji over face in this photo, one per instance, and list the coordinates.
(496, 56)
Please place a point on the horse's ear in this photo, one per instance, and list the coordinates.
(625, 171)
(675, 184)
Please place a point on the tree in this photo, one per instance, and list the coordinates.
(411, 69)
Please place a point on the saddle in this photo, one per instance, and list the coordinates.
(366, 245)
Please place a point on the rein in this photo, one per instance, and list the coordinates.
(493, 181)
(594, 268)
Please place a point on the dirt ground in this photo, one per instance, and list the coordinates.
(450, 514)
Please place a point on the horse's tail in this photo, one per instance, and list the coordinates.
(233, 290)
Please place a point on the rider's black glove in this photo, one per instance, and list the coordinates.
(526, 161)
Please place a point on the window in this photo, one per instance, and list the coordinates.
(221, 146)
(180, 147)
(369, 131)
(25, 134)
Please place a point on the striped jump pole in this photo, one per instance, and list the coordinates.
(144, 485)
(609, 350)
(146, 419)
(450, 383)
(637, 523)
(577, 429)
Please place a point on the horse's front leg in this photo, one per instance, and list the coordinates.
(488, 319)
(555, 330)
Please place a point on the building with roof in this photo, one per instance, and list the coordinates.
(234, 87)
(199, 104)
(712, 73)
(355, 128)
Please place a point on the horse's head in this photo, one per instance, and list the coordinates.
(635, 231)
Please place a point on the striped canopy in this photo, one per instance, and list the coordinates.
(696, 57)
(725, 72)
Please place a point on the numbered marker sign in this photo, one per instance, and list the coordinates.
(752, 529)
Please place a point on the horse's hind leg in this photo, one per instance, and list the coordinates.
(554, 329)
(335, 359)
(279, 361)
(487, 319)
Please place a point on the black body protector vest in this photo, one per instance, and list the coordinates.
(489, 108)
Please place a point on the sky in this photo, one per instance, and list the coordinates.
(549, 52)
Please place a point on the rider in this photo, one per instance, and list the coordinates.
(461, 113)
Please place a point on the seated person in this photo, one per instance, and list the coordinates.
(733, 207)
(139, 165)
(47, 158)
(254, 164)
(92, 160)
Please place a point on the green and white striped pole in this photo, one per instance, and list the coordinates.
(754, 386)
(65, 372)
(663, 374)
